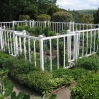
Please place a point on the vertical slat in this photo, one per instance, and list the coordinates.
(50, 56)
(94, 39)
(11, 41)
(20, 44)
(90, 42)
(64, 52)
(34, 54)
(83, 46)
(78, 42)
(41, 52)
(29, 49)
(75, 47)
(57, 53)
(87, 44)
(8, 42)
(25, 47)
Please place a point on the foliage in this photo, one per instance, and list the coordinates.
(86, 18)
(90, 63)
(3, 58)
(79, 73)
(23, 7)
(19, 66)
(35, 31)
(24, 17)
(86, 11)
(47, 31)
(43, 17)
(53, 96)
(42, 81)
(75, 16)
(51, 10)
(21, 28)
(96, 17)
(62, 16)
(6, 88)
(86, 88)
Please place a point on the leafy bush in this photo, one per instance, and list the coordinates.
(35, 31)
(47, 31)
(24, 27)
(51, 10)
(90, 63)
(86, 88)
(62, 16)
(18, 66)
(24, 17)
(3, 58)
(43, 17)
(79, 73)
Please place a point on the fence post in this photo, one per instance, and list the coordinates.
(76, 46)
(30, 23)
(33, 23)
(41, 52)
(13, 23)
(45, 23)
(73, 25)
(69, 46)
(26, 22)
(15, 43)
(70, 26)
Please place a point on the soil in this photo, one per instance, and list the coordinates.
(62, 93)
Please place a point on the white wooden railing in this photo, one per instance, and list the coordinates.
(50, 52)
(57, 27)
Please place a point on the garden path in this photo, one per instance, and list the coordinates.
(63, 93)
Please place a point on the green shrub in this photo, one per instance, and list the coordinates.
(24, 27)
(24, 17)
(43, 17)
(79, 73)
(90, 63)
(18, 66)
(62, 16)
(35, 31)
(51, 10)
(47, 32)
(3, 58)
(86, 88)
(38, 80)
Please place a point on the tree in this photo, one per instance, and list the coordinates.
(96, 17)
(62, 16)
(51, 10)
(86, 18)
(11, 9)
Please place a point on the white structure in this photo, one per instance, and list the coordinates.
(46, 51)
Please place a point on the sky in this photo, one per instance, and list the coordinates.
(78, 4)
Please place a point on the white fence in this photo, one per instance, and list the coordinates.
(50, 52)
(57, 27)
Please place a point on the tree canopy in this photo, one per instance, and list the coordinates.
(11, 9)
(96, 17)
